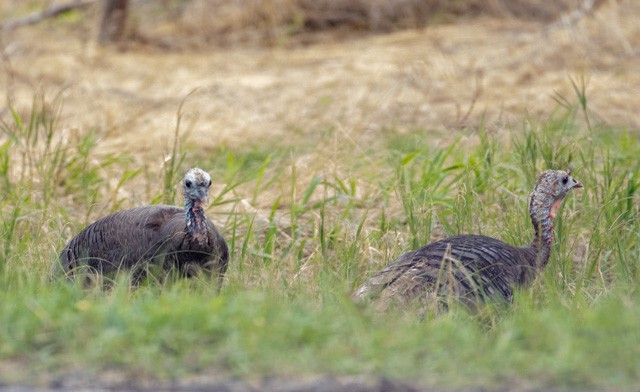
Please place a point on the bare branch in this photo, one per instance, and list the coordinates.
(51, 12)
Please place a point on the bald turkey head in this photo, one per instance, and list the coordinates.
(549, 192)
(195, 186)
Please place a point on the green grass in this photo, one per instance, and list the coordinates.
(304, 235)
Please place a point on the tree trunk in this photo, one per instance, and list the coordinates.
(112, 22)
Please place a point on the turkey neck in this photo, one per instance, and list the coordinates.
(196, 221)
(542, 211)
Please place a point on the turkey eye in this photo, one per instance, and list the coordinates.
(187, 183)
(565, 179)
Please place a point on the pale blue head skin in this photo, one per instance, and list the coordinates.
(550, 189)
(195, 188)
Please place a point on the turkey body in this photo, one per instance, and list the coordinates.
(473, 268)
(132, 239)
(140, 239)
(467, 267)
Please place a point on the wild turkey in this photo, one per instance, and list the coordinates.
(473, 268)
(157, 235)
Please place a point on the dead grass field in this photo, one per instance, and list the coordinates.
(343, 92)
(440, 78)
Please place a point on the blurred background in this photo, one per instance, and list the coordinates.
(273, 68)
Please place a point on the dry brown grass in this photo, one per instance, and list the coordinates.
(277, 22)
(201, 23)
(487, 70)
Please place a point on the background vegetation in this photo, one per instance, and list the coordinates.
(285, 307)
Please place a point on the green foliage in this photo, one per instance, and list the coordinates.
(303, 236)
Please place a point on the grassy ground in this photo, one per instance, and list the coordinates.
(285, 308)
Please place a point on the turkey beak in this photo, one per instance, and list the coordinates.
(204, 197)
(201, 198)
(578, 184)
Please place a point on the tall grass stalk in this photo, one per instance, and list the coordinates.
(301, 240)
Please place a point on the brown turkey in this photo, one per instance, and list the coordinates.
(473, 268)
(171, 237)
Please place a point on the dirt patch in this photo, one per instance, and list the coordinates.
(80, 383)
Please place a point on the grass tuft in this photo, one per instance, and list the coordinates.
(303, 236)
